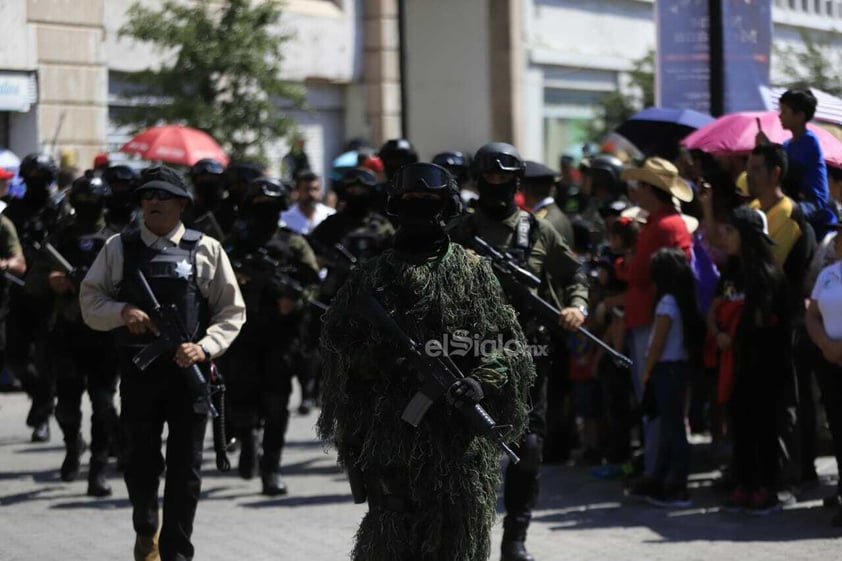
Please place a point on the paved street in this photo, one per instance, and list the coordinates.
(580, 518)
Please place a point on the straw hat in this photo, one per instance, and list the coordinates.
(661, 174)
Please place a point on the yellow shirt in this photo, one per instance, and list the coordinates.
(214, 276)
(782, 228)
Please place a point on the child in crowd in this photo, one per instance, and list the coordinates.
(759, 340)
(675, 343)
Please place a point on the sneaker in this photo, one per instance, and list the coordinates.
(763, 501)
(738, 500)
(671, 498)
(642, 489)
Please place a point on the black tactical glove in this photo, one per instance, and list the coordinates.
(466, 390)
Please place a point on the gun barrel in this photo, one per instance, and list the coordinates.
(65, 264)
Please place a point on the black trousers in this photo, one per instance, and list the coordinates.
(521, 480)
(149, 399)
(78, 367)
(258, 374)
(830, 382)
(27, 352)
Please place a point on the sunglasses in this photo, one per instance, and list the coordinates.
(161, 195)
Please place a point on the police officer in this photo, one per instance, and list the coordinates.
(80, 357)
(238, 176)
(35, 216)
(12, 264)
(458, 164)
(265, 356)
(539, 248)
(121, 205)
(538, 185)
(357, 227)
(191, 272)
(207, 178)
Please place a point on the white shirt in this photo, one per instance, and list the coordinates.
(674, 349)
(296, 220)
(827, 292)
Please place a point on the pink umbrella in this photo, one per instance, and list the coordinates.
(177, 144)
(734, 134)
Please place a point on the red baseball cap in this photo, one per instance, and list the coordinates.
(6, 174)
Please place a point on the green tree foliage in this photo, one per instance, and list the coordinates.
(221, 71)
(816, 65)
(617, 106)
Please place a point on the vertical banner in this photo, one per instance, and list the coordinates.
(682, 75)
(746, 46)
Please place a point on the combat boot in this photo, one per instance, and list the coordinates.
(97, 483)
(515, 551)
(247, 465)
(70, 466)
(41, 433)
(270, 471)
(146, 548)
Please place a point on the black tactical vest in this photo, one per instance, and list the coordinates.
(81, 251)
(171, 273)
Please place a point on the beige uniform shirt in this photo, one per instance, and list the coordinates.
(215, 277)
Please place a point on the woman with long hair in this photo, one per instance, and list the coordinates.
(759, 339)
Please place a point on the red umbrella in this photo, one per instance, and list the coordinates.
(734, 134)
(177, 144)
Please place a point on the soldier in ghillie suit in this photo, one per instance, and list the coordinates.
(431, 489)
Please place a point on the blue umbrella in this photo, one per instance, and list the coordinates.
(656, 131)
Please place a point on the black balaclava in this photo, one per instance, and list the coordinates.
(357, 204)
(421, 225)
(88, 213)
(264, 217)
(497, 200)
(121, 205)
(208, 193)
(37, 192)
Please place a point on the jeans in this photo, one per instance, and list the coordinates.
(670, 380)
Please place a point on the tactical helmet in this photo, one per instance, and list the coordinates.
(243, 172)
(605, 171)
(207, 166)
(121, 174)
(456, 163)
(396, 153)
(42, 165)
(277, 190)
(89, 189)
(498, 157)
(424, 178)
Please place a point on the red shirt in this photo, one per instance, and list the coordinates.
(664, 228)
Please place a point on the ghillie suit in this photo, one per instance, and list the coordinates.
(432, 489)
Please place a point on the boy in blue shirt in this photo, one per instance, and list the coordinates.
(807, 179)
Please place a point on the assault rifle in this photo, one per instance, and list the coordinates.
(171, 333)
(520, 285)
(75, 274)
(262, 267)
(440, 373)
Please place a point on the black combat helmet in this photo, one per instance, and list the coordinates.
(397, 153)
(498, 157)
(121, 174)
(275, 189)
(42, 166)
(605, 171)
(457, 163)
(424, 179)
(207, 166)
(89, 189)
